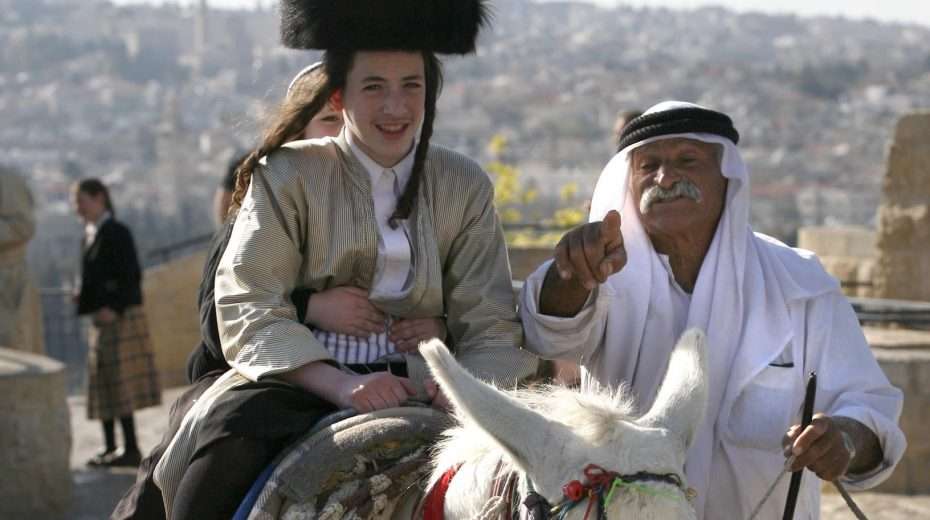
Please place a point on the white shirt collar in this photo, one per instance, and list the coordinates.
(91, 228)
(402, 169)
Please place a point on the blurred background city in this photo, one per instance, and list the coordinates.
(155, 99)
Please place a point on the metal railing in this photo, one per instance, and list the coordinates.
(65, 335)
(871, 311)
(160, 255)
(907, 313)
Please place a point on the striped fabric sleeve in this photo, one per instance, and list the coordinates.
(479, 299)
(259, 328)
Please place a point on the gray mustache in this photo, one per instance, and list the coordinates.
(682, 188)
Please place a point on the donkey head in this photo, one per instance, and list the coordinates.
(553, 437)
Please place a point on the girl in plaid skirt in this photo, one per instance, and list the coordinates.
(121, 372)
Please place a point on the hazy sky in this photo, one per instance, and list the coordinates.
(916, 11)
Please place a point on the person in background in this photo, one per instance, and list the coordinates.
(223, 195)
(121, 375)
(622, 119)
(20, 310)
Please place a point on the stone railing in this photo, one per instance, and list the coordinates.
(170, 292)
(904, 355)
(35, 437)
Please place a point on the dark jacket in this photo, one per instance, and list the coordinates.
(110, 272)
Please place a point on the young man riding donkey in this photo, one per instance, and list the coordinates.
(405, 225)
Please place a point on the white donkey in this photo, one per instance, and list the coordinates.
(584, 453)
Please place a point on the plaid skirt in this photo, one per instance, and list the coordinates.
(121, 375)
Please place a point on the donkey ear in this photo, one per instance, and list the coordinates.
(519, 430)
(682, 398)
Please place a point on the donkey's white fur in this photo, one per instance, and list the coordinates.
(553, 433)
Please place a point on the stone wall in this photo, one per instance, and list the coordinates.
(848, 253)
(840, 241)
(904, 355)
(35, 437)
(904, 214)
(171, 306)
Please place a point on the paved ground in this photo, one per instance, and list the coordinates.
(96, 491)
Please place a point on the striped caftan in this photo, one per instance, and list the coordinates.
(308, 221)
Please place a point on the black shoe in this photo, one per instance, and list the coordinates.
(124, 458)
(101, 458)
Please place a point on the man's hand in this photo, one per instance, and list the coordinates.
(407, 334)
(438, 399)
(592, 252)
(585, 257)
(822, 449)
(375, 391)
(345, 310)
(105, 316)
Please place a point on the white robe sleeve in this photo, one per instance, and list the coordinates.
(854, 386)
(552, 337)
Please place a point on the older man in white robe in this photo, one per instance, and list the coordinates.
(669, 247)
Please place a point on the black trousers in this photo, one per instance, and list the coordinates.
(269, 412)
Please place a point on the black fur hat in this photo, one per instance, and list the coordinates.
(441, 26)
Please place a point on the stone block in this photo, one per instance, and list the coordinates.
(905, 357)
(35, 439)
(921, 381)
(845, 241)
(915, 422)
(848, 270)
(845, 269)
(918, 474)
(904, 214)
(897, 369)
(894, 339)
(865, 276)
(897, 482)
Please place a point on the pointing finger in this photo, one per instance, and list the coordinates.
(579, 262)
(610, 231)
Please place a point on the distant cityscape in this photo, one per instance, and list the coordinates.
(157, 100)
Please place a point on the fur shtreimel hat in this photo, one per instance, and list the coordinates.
(441, 26)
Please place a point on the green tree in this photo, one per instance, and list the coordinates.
(514, 202)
